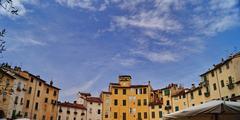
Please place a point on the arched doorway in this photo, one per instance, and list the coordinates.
(2, 115)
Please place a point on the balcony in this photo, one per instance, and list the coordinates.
(168, 107)
(207, 94)
(230, 86)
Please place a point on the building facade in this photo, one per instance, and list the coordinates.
(34, 98)
(71, 111)
(93, 105)
(125, 101)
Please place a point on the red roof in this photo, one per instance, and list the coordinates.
(94, 99)
(85, 94)
(72, 105)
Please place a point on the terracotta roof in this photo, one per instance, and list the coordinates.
(114, 84)
(94, 99)
(131, 86)
(125, 76)
(72, 105)
(85, 94)
(105, 92)
(222, 63)
(7, 74)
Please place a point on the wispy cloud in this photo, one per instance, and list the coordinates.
(171, 26)
(83, 87)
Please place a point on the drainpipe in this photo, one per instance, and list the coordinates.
(218, 85)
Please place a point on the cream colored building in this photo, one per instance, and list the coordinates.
(71, 111)
(17, 97)
(92, 104)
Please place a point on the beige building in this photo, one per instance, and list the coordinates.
(71, 111)
(6, 90)
(92, 104)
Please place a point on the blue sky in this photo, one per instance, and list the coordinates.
(82, 45)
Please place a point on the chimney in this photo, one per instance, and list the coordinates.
(193, 86)
(38, 76)
(51, 82)
(222, 60)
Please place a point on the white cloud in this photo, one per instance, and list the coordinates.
(165, 27)
(18, 4)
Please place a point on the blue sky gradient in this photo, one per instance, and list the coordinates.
(82, 45)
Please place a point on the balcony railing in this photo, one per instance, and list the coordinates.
(230, 86)
(168, 107)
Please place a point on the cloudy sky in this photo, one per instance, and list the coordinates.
(82, 45)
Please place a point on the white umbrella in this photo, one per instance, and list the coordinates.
(213, 110)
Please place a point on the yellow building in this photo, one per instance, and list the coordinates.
(125, 101)
(40, 97)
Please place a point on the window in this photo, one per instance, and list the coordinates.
(35, 116)
(193, 104)
(145, 102)
(55, 93)
(115, 115)
(31, 79)
(153, 114)
(184, 96)
(168, 103)
(212, 73)
(160, 114)
(140, 91)
(46, 100)
(230, 79)
(176, 108)
(124, 92)
(152, 107)
(99, 111)
(144, 90)
(160, 106)
(106, 116)
(124, 102)
(124, 116)
(192, 96)
(25, 114)
(59, 117)
(214, 86)
(227, 65)
(220, 70)
(21, 101)
(139, 115)
(38, 93)
(44, 117)
(115, 91)
(40, 83)
(116, 102)
(36, 106)
(27, 104)
(145, 115)
(199, 92)
(222, 83)
(30, 90)
(136, 91)
(16, 100)
(47, 91)
(139, 102)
